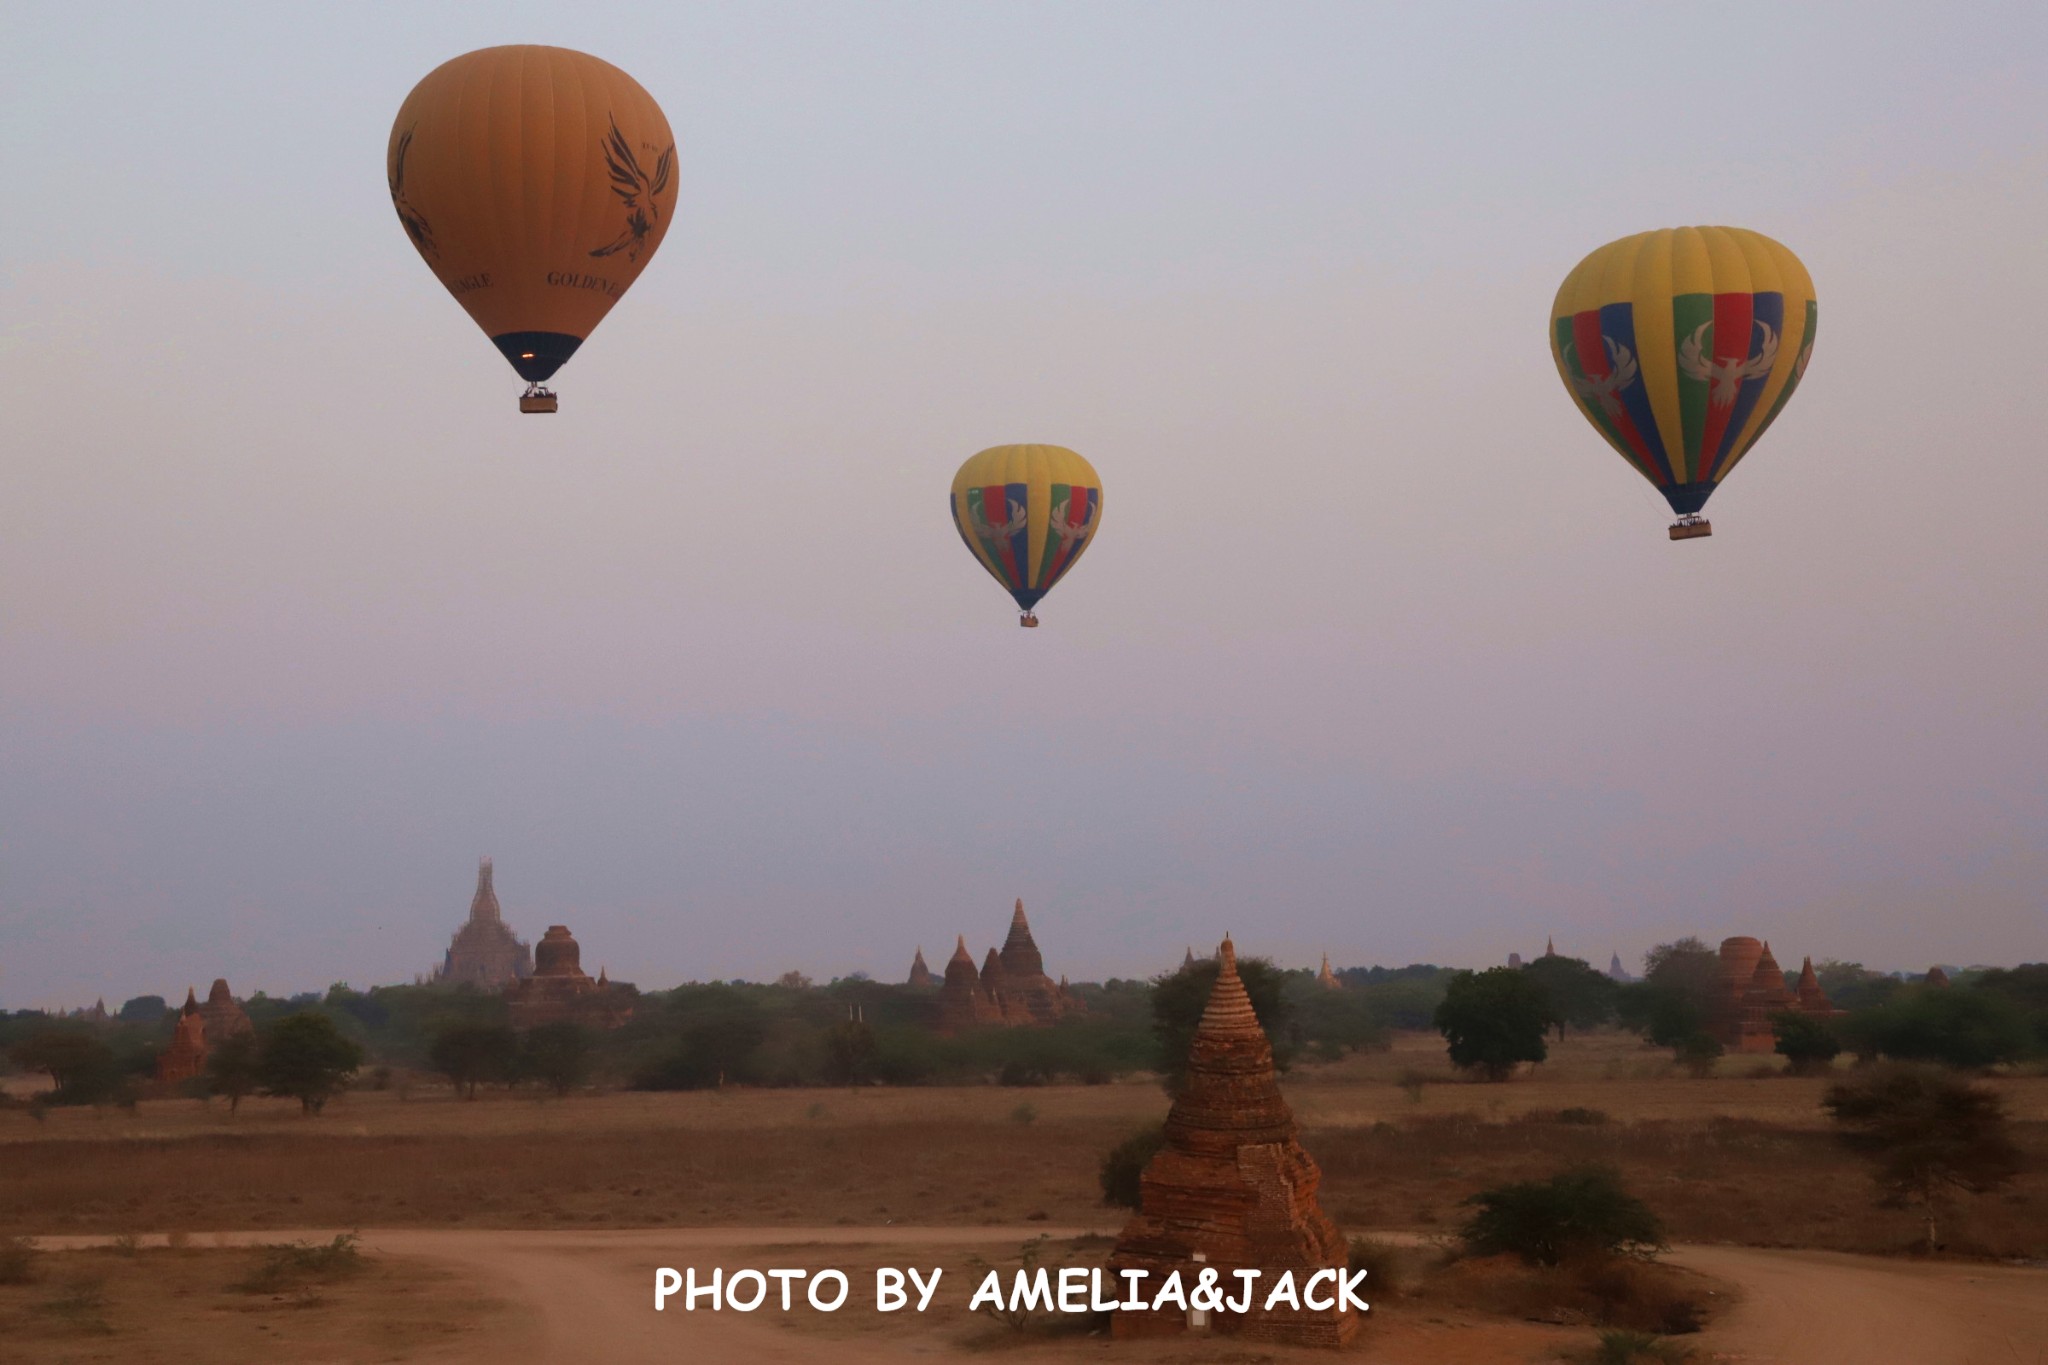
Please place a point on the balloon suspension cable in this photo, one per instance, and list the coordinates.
(537, 399)
(1028, 619)
(1691, 527)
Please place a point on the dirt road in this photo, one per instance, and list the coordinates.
(590, 1296)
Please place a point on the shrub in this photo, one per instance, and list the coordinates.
(469, 1054)
(1579, 1212)
(17, 1260)
(1619, 1346)
(1126, 1162)
(1697, 1053)
(1024, 1115)
(1385, 1265)
(1807, 1044)
(280, 1265)
(1959, 1027)
(557, 1055)
(1580, 1115)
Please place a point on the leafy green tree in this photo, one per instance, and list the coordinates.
(1179, 998)
(558, 1055)
(143, 1009)
(470, 1054)
(1852, 986)
(1577, 1214)
(1957, 1026)
(1805, 1042)
(1493, 1020)
(1932, 1134)
(81, 1068)
(714, 1033)
(2025, 987)
(305, 1057)
(231, 1068)
(1579, 996)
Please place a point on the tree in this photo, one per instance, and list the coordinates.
(1697, 1052)
(81, 1068)
(793, 981)
(469, 1054)
(1852, 986)
(1959, 1027)
(1579, 996)
(305, 1057)
(1493, 1020)
(1124, 1165)
(849, 1053)
(1179, 998)
(557, 1055)
(1933, 1135)
(231, 1068)
(143, 1009)
(1577, 1213)
(1805, 1042)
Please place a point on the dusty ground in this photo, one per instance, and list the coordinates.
(583, 1296)
(175, 1306)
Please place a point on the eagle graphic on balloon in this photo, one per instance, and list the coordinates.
(636, 189)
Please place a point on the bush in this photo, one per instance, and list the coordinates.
(1581, 1115)
(1579, 1212)
(1697, 1053)
(1618, 1346)
(17, 1260)
(1126, 1162)
(469, 1054)
(557, 1055)
(281, 1265)
(1807, 1044)
(1385, 1265)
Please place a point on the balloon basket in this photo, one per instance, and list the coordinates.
(1691, 528)
(1028, 620)
(537, 399)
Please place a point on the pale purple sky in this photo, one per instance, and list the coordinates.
(1381, 650)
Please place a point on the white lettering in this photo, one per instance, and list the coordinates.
(1242, 1305)
(1035, 1292)
(691, 1289)
(786, 1276)
(991, 1292)
(924, 1290)
(1308, 1295)
(1347, 1292)
(1072, 1281)
(666, 1282)
(1283, 1292)
(889, 1295)
(1133, 1276)
(820, 1278)
(732, 1291)
(1171, 1292)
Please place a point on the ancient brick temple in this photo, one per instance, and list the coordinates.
(1326, 978)
(223, 1014)
(1751, 988)
(1234, 1185)
(1936, 977)
(485, 952)
(920, 975)
(559, 991)
(186, 1056)
(1011, 988)
(963, 1003)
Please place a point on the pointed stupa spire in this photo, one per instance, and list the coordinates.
(1229, 1010)
(920, 974)
(191, 1005)
(484, 904)
(1189, 960)
(1327, 978)
(603, 977)
(1549, 947)
(1021, 958)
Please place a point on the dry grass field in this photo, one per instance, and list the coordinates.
(1731, 1158)
(162, 1305)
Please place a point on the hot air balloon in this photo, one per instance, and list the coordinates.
(1681, 346)
(1027, 513)
(536, 183)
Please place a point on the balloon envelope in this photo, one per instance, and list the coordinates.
(1027, 513)
(536, 183)
(1681, 346)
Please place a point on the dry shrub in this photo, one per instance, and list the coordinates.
(1386, 1265)
(1622, 1347)
(285, 1265)
(17, 1260)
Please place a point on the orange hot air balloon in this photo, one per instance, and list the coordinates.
(536, 183)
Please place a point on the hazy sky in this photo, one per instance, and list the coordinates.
(1381, 650)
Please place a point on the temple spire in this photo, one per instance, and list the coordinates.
(1229, 1010)
(484, 905)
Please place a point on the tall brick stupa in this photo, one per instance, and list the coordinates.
(1233, 1184)
(485, 952)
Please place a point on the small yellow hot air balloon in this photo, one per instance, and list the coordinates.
(1681, 346)
(1027, 512)
(536, 183)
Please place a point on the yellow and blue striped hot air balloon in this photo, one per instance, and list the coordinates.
(1681, 346)
(1027, 512)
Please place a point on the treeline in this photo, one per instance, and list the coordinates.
(1495, 1020)
(851, 1031)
